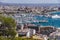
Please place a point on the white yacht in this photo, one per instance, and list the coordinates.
(55, 16)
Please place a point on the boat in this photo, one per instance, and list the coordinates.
(43, 21)
(56, 16)
(39, 21)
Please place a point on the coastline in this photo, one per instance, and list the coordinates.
(52, 12)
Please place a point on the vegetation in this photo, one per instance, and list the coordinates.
(51, 39)
(16, 38)
(7, 27)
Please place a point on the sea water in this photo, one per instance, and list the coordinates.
(51, 21)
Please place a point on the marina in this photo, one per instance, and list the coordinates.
(29, 19)
(39, 20)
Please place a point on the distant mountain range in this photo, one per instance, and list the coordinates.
(15, 4)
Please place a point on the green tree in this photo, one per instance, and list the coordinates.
(48, 38)
(55, 39)
(8, 26)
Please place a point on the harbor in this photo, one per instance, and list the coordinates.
(39, 19)
(29, 22)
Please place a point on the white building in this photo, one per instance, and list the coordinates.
(26, 32)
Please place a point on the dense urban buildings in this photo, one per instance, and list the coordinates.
(26, 20)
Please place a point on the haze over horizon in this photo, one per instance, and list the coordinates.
(31, 1)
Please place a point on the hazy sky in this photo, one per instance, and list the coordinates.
(30, 1)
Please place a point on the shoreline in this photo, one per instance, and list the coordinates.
(52, 12)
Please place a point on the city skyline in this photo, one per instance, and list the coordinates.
(31, 1)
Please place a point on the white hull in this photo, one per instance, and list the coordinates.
(55, 16)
